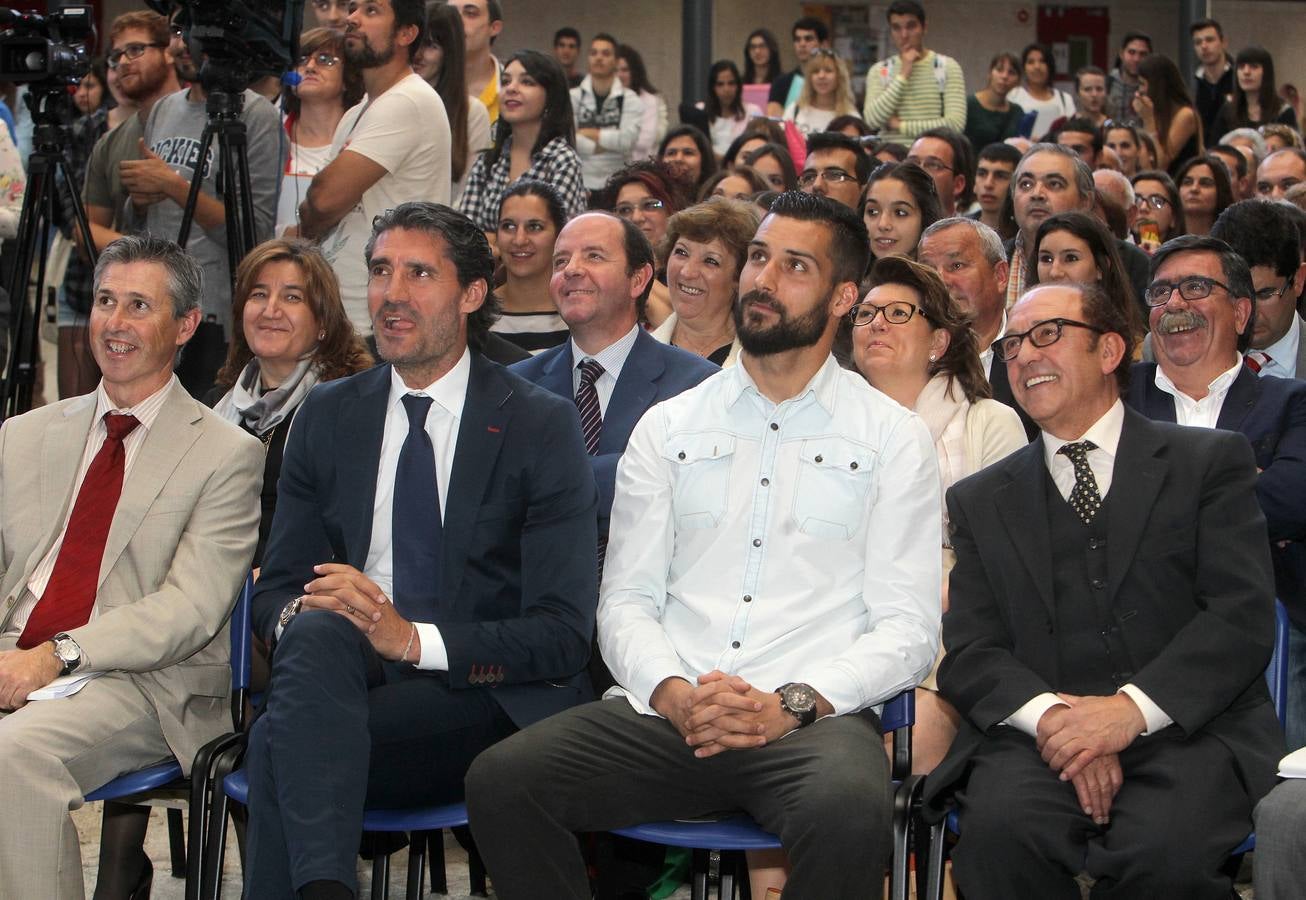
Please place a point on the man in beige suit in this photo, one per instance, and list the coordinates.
(128, 519)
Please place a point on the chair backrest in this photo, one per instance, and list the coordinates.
(241, 641)
(898, 717)
(1277, 672)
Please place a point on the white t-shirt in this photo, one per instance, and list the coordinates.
(809, 119)
(302, 164)
(416, 161)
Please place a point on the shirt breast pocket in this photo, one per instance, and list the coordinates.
(700, 473)
(834, 478)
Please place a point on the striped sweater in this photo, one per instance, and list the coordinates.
(934, 96)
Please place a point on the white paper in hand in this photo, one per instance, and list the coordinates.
(63, 686)
(1293, 765)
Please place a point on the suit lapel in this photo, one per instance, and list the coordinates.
(1240, 400)
(480, 438)
(634, 393)
(1155, 403)
(555, 377)
(1301, 348)
(61, 455)
(1022, 507)
(169, 440)
(359, 432)
(1136, 480)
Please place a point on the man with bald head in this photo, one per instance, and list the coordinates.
(1101, 572)
(1280, 171)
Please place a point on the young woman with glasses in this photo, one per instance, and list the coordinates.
(1160, 215)
(648, 194)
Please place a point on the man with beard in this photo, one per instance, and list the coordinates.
(391, 147)
(159, 184)
(140, 53)
(426, 581)
(759, 585)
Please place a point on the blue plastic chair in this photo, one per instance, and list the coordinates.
(168, 775)
(1276, 674)
(732, 835)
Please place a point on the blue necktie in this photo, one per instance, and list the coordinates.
(416, 530)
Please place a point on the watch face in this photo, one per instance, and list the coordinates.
(799, 696)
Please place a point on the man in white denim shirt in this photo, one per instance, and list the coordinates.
(773, 571)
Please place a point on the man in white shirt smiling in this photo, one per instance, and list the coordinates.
(1101, 572)
(425, 550)
(760, 584)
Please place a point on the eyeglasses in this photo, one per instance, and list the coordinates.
(931, 164)
(1043, 334)
(131, 51)
(899, 312)
(322, 58)
(648, 205)
(1156, 201)
(831, 176)
(1194, 287)
(1265, 295)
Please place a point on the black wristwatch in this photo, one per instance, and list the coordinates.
(799, 700)
(68, 652)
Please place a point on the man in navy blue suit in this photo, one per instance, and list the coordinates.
(417, 583)
(602, 274)
(1200, 377)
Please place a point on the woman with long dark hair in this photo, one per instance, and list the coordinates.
(1166, 108)
(990, 115)
(687, 152)
(727, 113)
(535, 137)
(634, 77)
(761, 58)
(1204, 192)
(1036, 94)
(1074, 247)
(530, 217)
(1256, 99)
(901, 202)
(441, 62)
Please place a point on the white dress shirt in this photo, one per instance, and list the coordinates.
(449, 393)
(1203, 413)
(1105, 433)
(146, 412)
(612, 358)
(1283, 353)
(790, 542)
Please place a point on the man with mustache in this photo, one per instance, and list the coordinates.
(426, 585)
(391, 147)
(759, 584)
(1102, 572)
(1201, 377)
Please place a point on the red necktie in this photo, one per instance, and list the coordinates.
(70, 593)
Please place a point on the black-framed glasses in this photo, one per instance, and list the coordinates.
(830, 176)
(931, 164)
(1156, 201)
(323, 58)
(131, 51)
(1043, 334)
(1265, 295)
(1194, 287)
(648, 205)
(898, 312)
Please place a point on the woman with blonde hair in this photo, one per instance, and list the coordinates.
(827, 93)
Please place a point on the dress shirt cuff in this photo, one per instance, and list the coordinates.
(1026, 718)
(651, 673)
(435, 656)
(1152, 714)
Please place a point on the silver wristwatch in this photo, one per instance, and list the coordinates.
(68, 652)
(289, 612)
(799, 700)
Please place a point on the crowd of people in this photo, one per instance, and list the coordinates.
(745, 416)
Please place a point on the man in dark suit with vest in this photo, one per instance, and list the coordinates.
(610, 366)
(1200, 377)
(1101, 573)
(417, 581)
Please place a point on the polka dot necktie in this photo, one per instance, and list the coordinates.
(1084, 498)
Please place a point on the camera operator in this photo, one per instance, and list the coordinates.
(159, 184)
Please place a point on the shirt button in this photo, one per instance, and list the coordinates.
(1098, 584)
(766, 482)
(757, 542)
(853, 464)
(680, 455)
(734, 645)
(748, 598)
(775, 426)
(820, 458)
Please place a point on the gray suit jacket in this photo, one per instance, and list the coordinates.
(178, 550)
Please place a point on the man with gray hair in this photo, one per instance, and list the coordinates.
(969, 257)
(1049, 179)
(129, 520)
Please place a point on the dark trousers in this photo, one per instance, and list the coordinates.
(824, 790)
(1182, 809)
(344, 730)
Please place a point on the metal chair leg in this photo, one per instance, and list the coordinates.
(177, 842)
(700, 862)
(380, 876)
(476, 873)
(416, 864)
(436, 863)
(938, 853)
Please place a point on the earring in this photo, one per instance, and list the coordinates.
(321, 336)
(933, 358)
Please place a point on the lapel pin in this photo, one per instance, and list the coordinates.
(493, 429)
